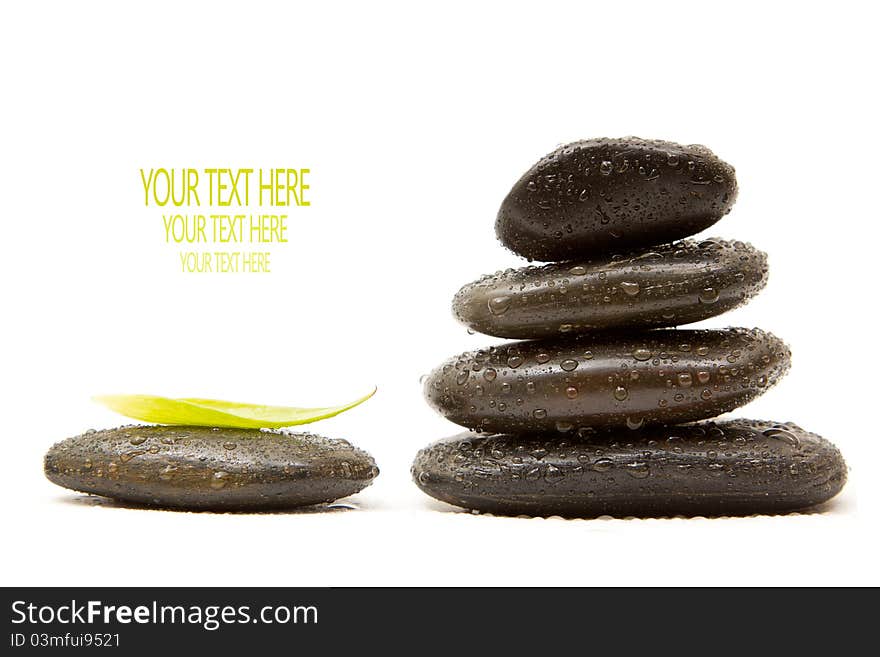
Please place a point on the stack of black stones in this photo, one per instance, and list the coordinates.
(600, 407)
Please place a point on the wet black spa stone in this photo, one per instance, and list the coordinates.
(737, 467)
(614, 379)
(203, 468)
(602, 195)
(667, 285)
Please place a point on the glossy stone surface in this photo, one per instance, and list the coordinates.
(733, 467)
(205, 468)
(621, 379)
(666, 285)
(602, 195)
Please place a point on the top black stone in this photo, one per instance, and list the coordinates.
(599, 195)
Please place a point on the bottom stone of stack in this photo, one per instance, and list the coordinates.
(735, 467)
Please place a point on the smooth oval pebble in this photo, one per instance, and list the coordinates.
(734, 467)
(621, 379)
(665, 285)
(600, 195)
(205, 468)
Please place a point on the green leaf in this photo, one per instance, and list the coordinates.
(217, 413)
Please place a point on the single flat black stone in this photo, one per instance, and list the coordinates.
(666, 285)
(602, 195)
(205, 468)
(621, 379)
(737, 467)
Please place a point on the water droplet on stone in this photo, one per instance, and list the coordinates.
(635, 423)
(783, 435)
(569, 364)
(642, 354)
(499, 305)
(620, 393)
(553, 474)
(709, 295)
(128, 456)
(631, 289)
(603, 465)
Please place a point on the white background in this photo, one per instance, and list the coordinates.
(415, 123)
